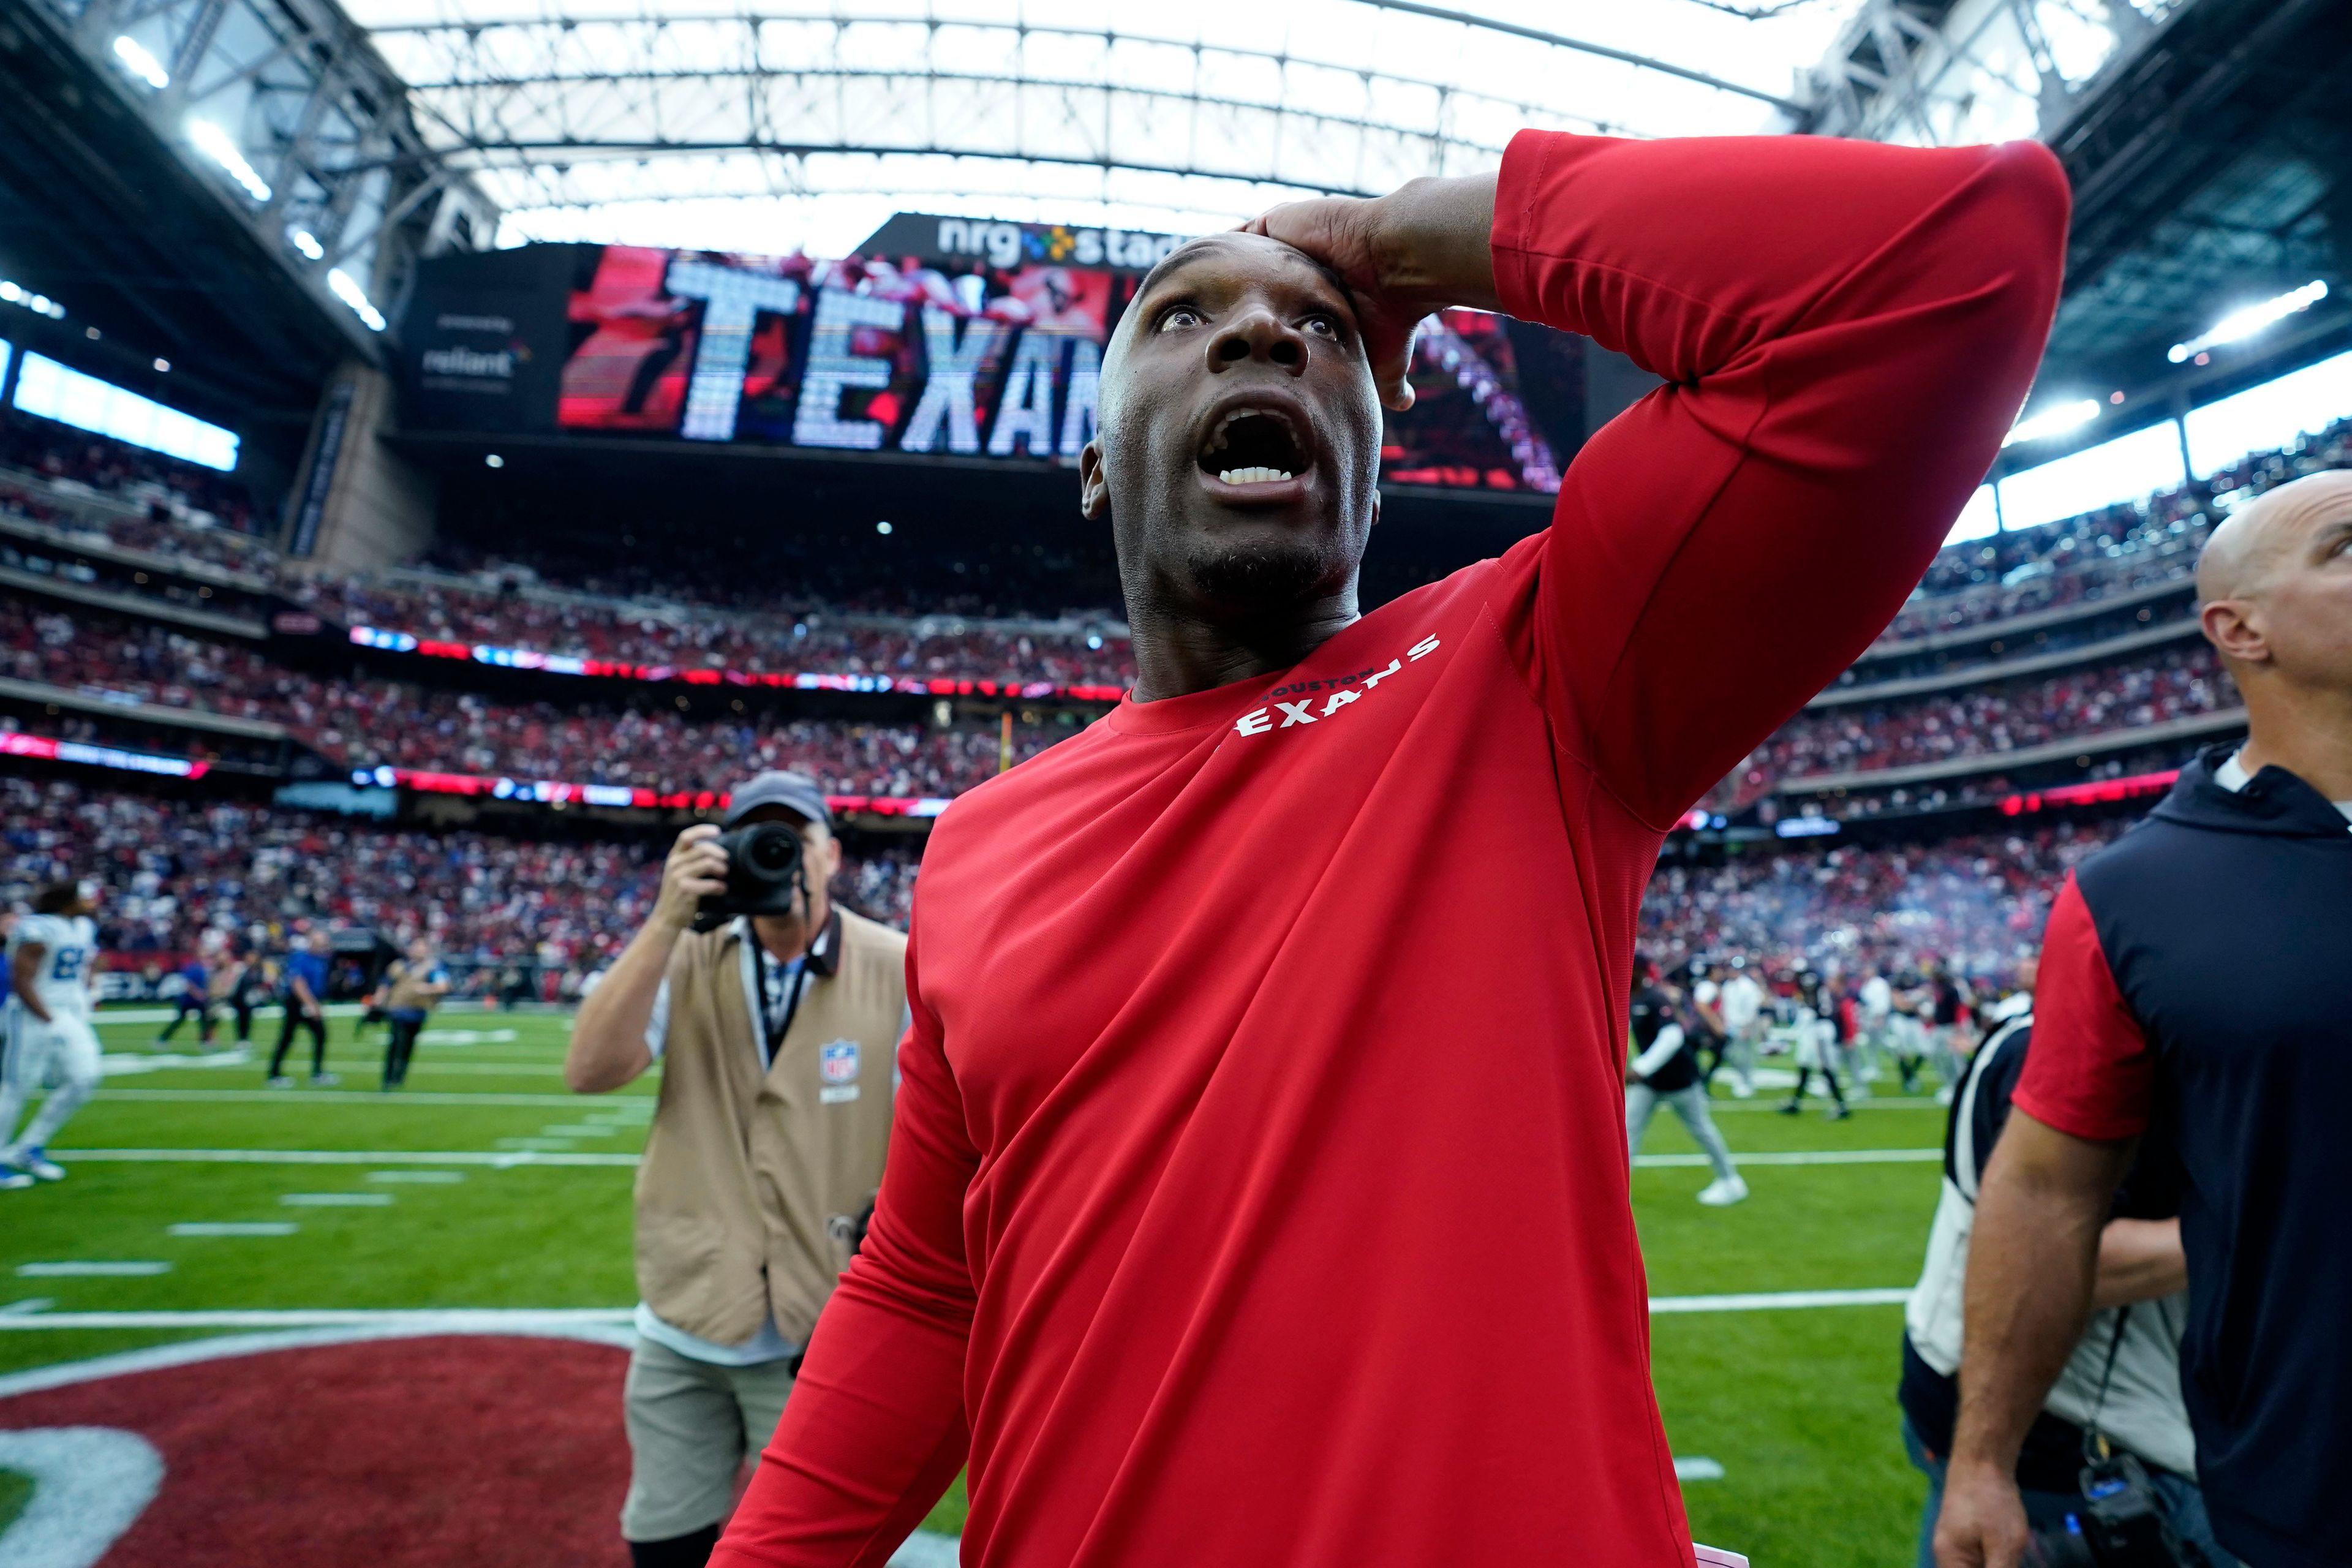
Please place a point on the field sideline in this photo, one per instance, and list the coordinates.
(484, 1185)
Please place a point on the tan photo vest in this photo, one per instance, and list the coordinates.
(408, 989)
(750, 1181)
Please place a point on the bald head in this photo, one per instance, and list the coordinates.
(2274, 585)
(2260, 538)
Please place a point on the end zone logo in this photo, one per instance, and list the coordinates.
(1306, 709)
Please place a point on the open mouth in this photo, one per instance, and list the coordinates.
(1254, 446)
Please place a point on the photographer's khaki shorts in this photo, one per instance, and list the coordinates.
(691, 1425)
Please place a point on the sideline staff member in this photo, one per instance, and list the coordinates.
(412, 986)
(2193, 979)
(766, 1146)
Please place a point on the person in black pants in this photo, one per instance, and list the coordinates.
(1816, 1013)
(192, 1001)
(412, 986)
(304, 993)
(243, 991)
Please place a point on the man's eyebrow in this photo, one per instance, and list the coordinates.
(1192, 252)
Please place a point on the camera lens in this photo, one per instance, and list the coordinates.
(772, 851)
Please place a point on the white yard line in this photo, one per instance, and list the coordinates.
(550, 1151)
(234, 1227)
(1799, 1157)
(336, 1200)
(372, 1097)
(493, 1160)
(1781, 1301)
(528, 1319)
(90, 1270)
(444, 1321)
(427, 1178)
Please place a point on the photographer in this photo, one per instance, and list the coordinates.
(2124, 1378)
(776, 1016)
(412, 987)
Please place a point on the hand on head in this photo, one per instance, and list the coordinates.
(1401, 255)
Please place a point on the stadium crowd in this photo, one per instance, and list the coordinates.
(2178, 682)
(173, 869)
(676, 634)
(368, 723)
(184, 508)
(2101, 553)
(574, 607)
(1974, 904)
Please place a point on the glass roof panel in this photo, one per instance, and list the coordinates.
(770, 125)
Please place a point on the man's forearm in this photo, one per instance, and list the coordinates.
(1437, 242)
(2139, 1260)
(2033, 1263)
(608, 1037)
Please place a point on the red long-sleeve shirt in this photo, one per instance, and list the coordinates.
(1258, 1190)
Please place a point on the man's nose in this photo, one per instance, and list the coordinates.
(1261, 335)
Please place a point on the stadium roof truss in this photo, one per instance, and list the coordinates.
(1943, 73)
(579, 119)
(288, 113)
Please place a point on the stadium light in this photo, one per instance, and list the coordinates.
(143, 65)
(2056, 419)
(2245, 323)
(308, 244)
(339, 282)
(214, 142)
(39, 304)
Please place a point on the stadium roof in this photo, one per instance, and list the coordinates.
(763, 126)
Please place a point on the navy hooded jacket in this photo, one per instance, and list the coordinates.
(2197, 977)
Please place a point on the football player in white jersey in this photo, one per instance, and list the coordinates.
(52, 973)
(1741, 1005)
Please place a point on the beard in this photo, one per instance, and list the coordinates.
(1260, 575)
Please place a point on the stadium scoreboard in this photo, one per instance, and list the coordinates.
(939, 337)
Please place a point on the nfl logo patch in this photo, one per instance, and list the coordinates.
(838, 1061)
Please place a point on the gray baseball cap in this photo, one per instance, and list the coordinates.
(793, 792)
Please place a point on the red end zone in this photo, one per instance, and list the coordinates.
(448, 1451)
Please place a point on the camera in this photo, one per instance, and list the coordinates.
(2124, 1524)
(765, 875)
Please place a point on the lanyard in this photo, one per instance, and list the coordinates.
(772, 1033)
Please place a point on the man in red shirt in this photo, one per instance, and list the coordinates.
(1258, 1189)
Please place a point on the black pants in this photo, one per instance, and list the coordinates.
(201, 1010)
(405, 1028)
(297, 1019)
(1829, 1076)
(242, 1005)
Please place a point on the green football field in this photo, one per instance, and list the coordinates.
(485, 1185)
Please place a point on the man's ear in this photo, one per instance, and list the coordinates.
(1376, 499)
(832, 857)
(1093, 489)
(2233, 630)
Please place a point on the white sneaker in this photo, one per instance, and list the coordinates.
(12, 1180)
(278, 1081)
(1742, 1090)
(321, 1079)
(36, 1161)
(1943, 1095)
(1724, 1191)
